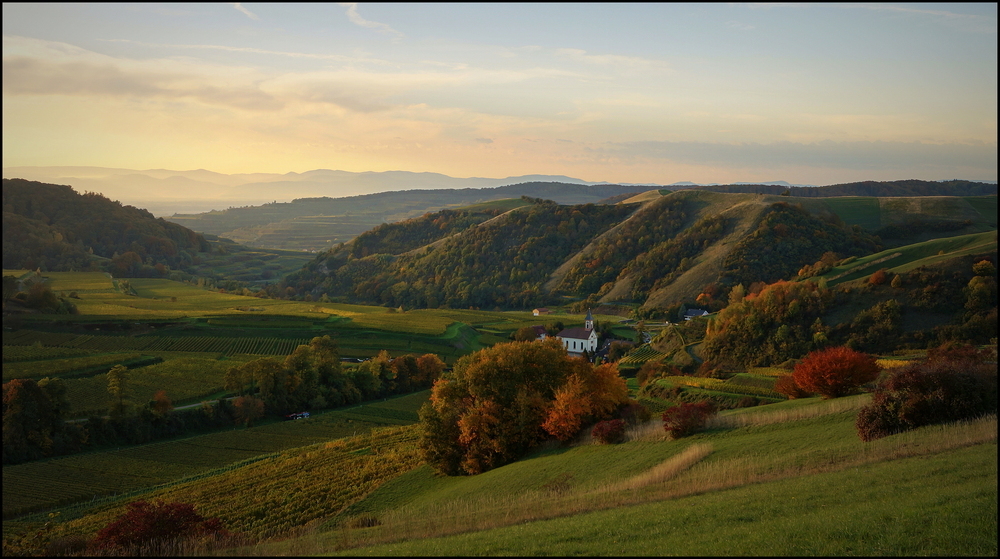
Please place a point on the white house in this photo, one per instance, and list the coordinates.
(577, 340)
(694, 313)
(540, 332)
(540, 311)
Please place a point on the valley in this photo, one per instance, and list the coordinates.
(203, 333)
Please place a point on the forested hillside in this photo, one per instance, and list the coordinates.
(685, 247)
(503, 263)
(318, 223)
(54, 227)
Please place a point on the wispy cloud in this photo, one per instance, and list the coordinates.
(355, 17)
(825, 154)
(248, 13)
(28, 76)
(253, 50)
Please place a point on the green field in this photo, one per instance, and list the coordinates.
(905, 258)
(986, 206)
(857, 210)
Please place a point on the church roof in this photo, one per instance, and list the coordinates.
(578, 333)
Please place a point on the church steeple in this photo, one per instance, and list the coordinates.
(589, 324)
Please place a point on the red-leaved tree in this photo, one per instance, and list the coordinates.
(152, 524)
(835, 371)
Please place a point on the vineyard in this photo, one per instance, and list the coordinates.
(14, 354)
(89, 477)
(745, 385)
(328, 477)
(73, 366)
(640, 355)
(185, 380)
(204, 344)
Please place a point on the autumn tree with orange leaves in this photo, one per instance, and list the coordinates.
(499, 402)
(835, 371)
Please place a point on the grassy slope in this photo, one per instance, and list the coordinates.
(929, 505)
(927, 253)
(819, 495)
(746, 209)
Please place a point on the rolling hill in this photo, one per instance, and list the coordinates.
(319, 223)
(658, 250)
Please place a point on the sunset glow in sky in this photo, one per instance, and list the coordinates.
(645, 93)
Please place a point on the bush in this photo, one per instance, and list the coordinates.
(928, 393)
(835, 371)
(152, 524)
(786, 385)
(634, 413)
(611, 431)
(687, 419)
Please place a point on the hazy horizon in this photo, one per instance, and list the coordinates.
(622, 93)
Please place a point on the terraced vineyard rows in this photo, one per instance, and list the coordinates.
(86, 477)
(184, 379)
(16, 353)
(210, 344)
(720, 385)
(59, 367)
(328, 477)
(640, 355)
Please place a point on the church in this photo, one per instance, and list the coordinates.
(577, 340)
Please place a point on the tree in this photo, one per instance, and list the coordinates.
(429, 368)
(835, 371)
(785, 384)
(499, 402)
(117, 383)
(524, 334)
(247, 409)
(878, 278)
(29, 421)
(161, 403)
(938, 391)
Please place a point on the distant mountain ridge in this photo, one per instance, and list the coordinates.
(164, 192)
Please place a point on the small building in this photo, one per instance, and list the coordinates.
(694, 313)
(577, 340)
(541, 311)
(540, 332)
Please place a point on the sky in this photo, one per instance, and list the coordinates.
(640, 93)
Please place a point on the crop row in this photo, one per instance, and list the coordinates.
(17, 353)
(723, 386)
(327, 478)
(640, 355)
(183, 379)
(85, 477)
(58, 367)
(758, 381)
(228, 346)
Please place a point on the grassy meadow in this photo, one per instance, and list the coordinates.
(905, 258)
(790, 478)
